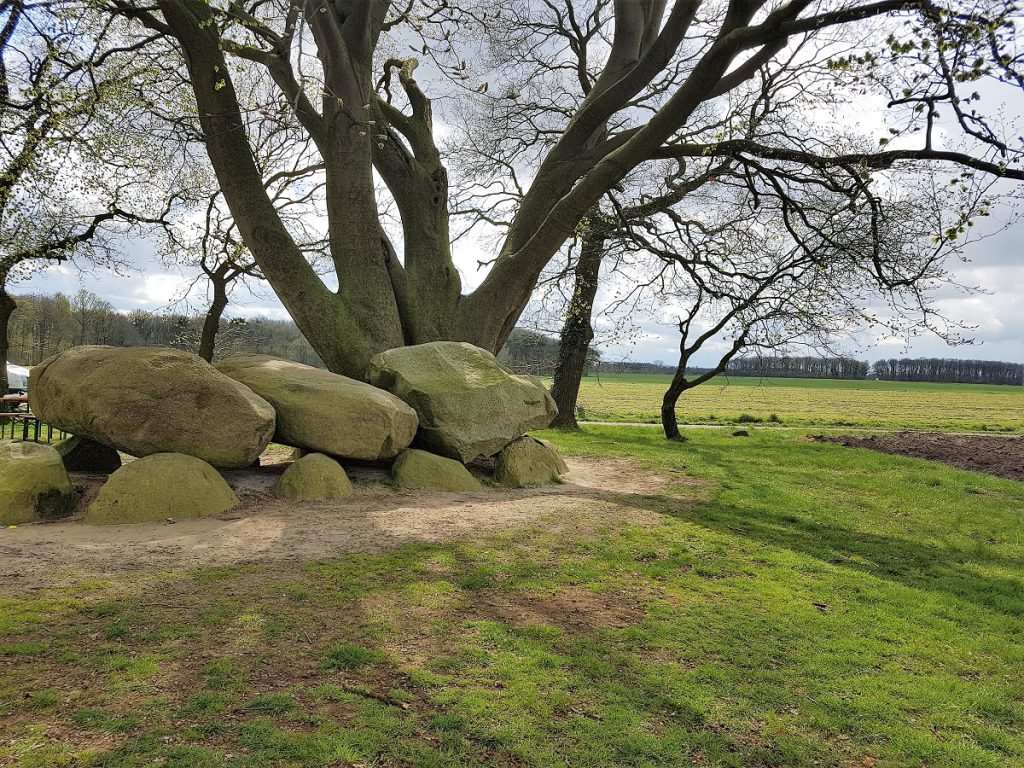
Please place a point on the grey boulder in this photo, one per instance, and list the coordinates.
(33, 483)
(161, 486)
(528, 461)
(323, 412)
(147, 400)
(314, 477)
(468, 405)
(424, 471)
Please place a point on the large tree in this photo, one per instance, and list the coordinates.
(656, 80)
(70, 172)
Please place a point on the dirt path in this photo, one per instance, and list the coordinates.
(374, 519)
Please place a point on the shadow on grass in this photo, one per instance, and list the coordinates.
(949, 569)
(297, 659)
(773, 491)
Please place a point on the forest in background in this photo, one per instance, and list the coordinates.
(45, 325)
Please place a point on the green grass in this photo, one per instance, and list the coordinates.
(344, 656)
(811, 402)
(789, 604)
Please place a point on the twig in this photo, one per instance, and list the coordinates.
(381, 697)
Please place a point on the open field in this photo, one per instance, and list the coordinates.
(727, 602)
(811, 402)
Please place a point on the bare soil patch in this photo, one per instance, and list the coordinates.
(1000, 456)
(375, 519)
(576, 610)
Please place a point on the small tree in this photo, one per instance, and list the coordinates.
(804, 270)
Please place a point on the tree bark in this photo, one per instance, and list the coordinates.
(345, 328)
(577, 333)
(211, 324)
(382, 302)
(680, 383)
(7, 307)
(669, 422)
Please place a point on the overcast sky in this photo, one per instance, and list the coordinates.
(995, 268)
(997, 310)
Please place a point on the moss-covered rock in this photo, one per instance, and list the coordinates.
(147, 400)
(33, 483)
(468, 405)
(528, 461)
(156, 487)
(313, 477)
(425, 471)
(80, 454)
(321, 411)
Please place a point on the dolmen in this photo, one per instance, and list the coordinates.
(427, 411)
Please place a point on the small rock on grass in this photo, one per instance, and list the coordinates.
(313, 477)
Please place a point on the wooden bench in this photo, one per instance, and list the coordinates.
(17, 424)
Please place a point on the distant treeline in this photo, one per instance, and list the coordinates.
(932, 369)
(529, 352)
(532, 352)
(44, 325)
(808, 367)
(631, 367)
(951, 371)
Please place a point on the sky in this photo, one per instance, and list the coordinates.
(995, 310)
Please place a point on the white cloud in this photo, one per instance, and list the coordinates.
(996, 265)
(161, 289)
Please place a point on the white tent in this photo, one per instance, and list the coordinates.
(17, 377)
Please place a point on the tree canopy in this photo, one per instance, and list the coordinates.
(651, 81)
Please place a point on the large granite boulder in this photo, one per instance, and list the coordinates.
(323, 412)
(161, 486)
(33, 483)
(80, 454)
(311, 478)
(420, 470)
(146, 400)
(469, 406)
(528, 461)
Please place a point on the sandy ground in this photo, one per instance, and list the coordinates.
(374, 519)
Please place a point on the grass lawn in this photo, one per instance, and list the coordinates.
(792, 604)
(819, 402)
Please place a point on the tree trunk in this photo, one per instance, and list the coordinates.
(211, 324)
(668, 408)
(676, 387)
(7, 307)
(680, 383)
(382, 301)
(577, 333)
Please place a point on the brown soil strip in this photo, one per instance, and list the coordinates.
(999, 456)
